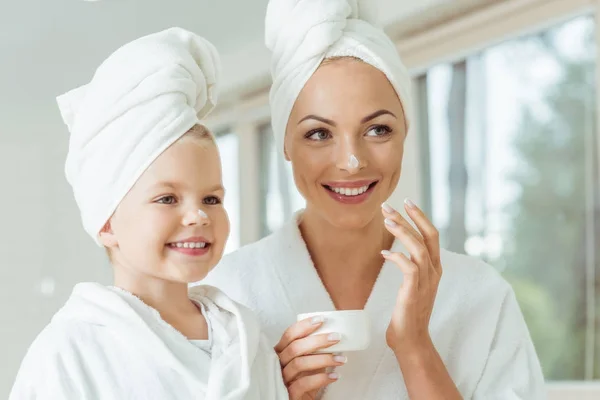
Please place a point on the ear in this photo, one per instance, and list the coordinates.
(107, 237)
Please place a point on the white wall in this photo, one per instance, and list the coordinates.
(43, 249)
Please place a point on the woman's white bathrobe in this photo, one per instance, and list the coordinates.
(476, 325)
(107, 344)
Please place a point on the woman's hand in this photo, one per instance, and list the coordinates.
(408, 330)
(423, 369)
(305, 373)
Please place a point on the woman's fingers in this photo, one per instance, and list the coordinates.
(391, 213)
(311, 383)
(429, 232)
(418, 250)
(312, 363)
(399, 227)
(409, 269)
(295, 354)
(299, 330)
(307, 345)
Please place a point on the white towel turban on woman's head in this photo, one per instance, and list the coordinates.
(144, 97)
(302, 33)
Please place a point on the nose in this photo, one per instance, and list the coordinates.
(196, 217)
(350, 155)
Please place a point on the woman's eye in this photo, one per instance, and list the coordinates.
(379, 130)
(318, 135)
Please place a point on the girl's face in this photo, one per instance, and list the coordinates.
(172, 224)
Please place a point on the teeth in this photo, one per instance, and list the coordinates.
(351, 191)
(189, 245)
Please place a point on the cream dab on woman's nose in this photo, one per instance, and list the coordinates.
(353, 161)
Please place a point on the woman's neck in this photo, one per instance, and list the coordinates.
(327, 241)
(347, 260)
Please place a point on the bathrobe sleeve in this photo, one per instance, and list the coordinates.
(512, 370)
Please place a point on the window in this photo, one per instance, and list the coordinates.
(279, 196)
(228, 146)
(509, 151)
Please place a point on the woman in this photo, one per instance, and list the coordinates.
(341, 111)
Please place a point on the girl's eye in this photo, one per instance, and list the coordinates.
(212, 200)
(167, 200)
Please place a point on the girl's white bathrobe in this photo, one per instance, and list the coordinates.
(107, 344)
(476, 325)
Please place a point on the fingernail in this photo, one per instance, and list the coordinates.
(387, 208)
(386, 253)
(319, 319)
(334, 337)
(409, 203)
(390, 223)
(334, 375)
(340, 359)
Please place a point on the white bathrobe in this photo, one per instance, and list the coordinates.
(107, 344)
(476, 325)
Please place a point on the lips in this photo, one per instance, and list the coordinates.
(189, 245)
(354, 192)
(352, 188)
(194, 246)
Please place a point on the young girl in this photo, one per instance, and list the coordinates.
(147, 179)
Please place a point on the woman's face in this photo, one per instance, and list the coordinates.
(345, 140)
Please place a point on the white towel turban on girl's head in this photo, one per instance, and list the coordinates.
(302, 33)
(144, 97)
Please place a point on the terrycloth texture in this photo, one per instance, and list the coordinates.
(143, 98)
(476, 325)
(302, 33)
(107, 344)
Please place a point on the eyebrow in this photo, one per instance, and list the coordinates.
(164, 184)
(173, 185)
(217, 188)
(375, 115)
(362, 121)
(316, 117)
